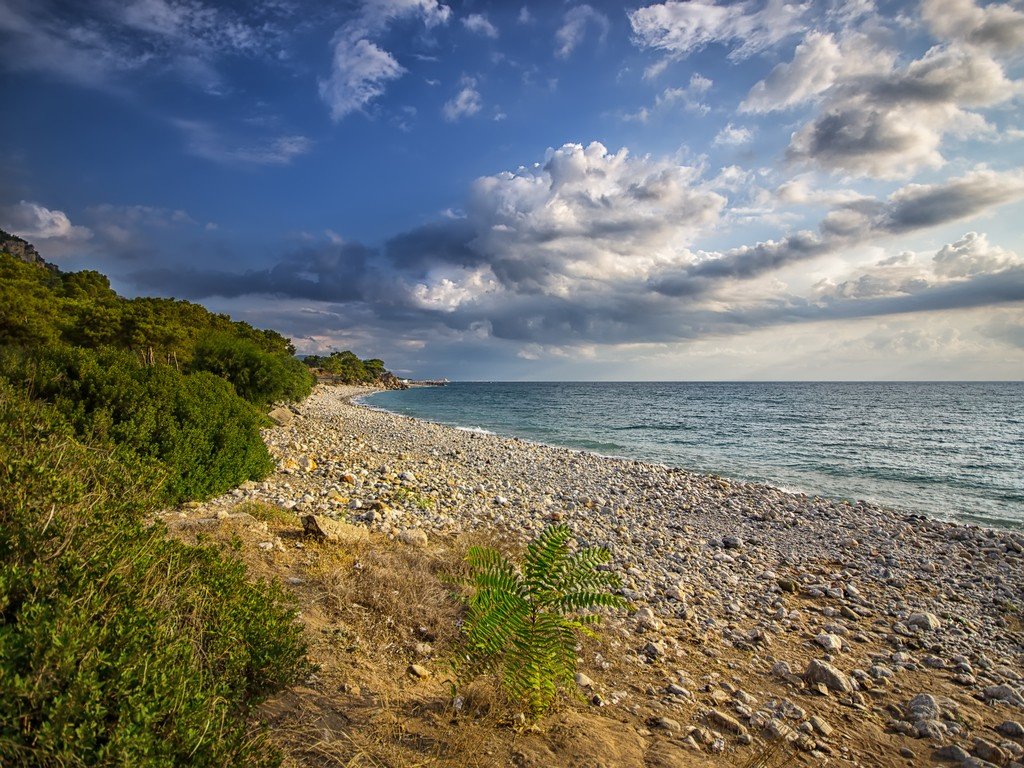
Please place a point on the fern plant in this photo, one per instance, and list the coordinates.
(522, 623)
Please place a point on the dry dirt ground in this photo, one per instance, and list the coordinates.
(373, 608)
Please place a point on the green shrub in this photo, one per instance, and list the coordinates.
(522, 623)
(259, 376)
(119, 646)
(204, 436)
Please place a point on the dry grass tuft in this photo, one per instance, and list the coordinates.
(267, 513)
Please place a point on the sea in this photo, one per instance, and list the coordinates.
(949, 450)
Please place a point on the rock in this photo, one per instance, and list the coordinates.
(732, 542)
(1011, 728)
(781, 670)
(925, 621)
(282, 417)
(822, 672)
(666, 723)
(653, 650)
(646, 619)
(728, 722)
(583, 681)
(1005, 693)
(325, 528)
(414, 537)
(951, 753)
(924, 706)
(829, 642)
(986, 750)
(929, 729)
(418, 670)
(821, 726)
(788, 585)
(777, 729)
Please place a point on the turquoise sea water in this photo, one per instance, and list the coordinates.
(948, 450)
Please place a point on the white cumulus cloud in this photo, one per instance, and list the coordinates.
(33, 222)
(732, 135)
(998, 27)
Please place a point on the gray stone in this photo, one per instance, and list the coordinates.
(821, 726)
(583, 681)
(666, 723)
(1011, 728)
(829, 642)
(986, 750)
(822, 672)
(1005, 693)
(952, 753)
(924, 706)
(924, 620)
(325, 528)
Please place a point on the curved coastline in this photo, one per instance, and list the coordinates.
(733, 585)
(963, 516)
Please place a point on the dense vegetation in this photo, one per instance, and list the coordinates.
(346, 368)
(118, 645)
(168, 380)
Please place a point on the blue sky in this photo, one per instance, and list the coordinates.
(496, 190)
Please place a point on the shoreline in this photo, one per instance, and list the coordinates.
(910, 513)
(743, 578)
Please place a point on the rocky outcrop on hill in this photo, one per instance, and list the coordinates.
(22, 249)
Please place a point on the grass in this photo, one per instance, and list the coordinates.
(267, 513)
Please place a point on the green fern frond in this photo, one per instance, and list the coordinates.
(523, 624)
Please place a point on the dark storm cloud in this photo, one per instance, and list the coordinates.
(328, 273)
(919, 206)
(446, 242)
(572, 253)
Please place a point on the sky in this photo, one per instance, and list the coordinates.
(761, 190)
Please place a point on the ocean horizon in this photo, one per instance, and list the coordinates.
(952, 450)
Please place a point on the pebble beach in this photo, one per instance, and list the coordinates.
(831, 616)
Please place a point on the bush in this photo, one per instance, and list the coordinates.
(119, 646)
(206, 438)
(522, 623)
(259, 376)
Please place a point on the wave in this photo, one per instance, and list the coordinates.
(475, 430)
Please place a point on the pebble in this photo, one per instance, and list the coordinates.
(745, 567)
(418, 670)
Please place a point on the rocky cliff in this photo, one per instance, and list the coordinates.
(22, 249)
